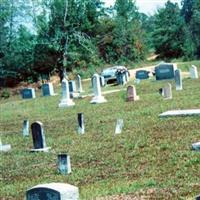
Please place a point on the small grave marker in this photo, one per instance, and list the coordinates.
(81, 126)
(194, 72)
(64, 165)
(165, 71)
(4, 147)
(119, 126)
(38, 136)
(131, 93)
(47, 89)
(142, 74)
(174, 113)
(167, 91)
(196, 146)
(72, 86)
(79, 83)
(53, 191)
(28, 93)
(178, 79)
(25, 130)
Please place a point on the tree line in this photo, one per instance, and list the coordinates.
(41, 37)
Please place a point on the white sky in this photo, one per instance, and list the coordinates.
(146, 6)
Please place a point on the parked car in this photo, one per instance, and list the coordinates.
(110, 74)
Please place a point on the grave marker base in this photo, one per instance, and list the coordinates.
(98, 99)
(46, 149)
(66, 103)
(5, 148)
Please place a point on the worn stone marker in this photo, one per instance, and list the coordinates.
(196, 146)
(165, 71)
(66, 101)
(178, 79)
(79, 83)
(142, 74)
(81, 126)
(127, 76)
(175, 113)
(102, 81)
(72, 86)
(28, 93)
(98, 98)
(25, 130)
(194, 72)
(64, 164)
(4, 147)
(47, 89)
(119, 126)
(53, 191)
(131, 93)
(38, 136)
(167, 91)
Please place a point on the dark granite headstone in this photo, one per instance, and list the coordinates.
(72, 86)
(164, 71)
(28, 93)
(81, 126)
(53, 191)
(198, 197)
(38, 135)
(142, 74)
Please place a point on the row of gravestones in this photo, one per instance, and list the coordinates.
(165, 71)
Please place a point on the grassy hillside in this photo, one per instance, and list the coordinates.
(151, 154)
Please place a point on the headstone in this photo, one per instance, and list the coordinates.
(98, 98)
(81, 126)
(47, 89)
(142, 74)
(25, 130)
(64, 165)
(53, 191)
(167, 91)
(79, 83)
(194, 72)
(121, 77)
(4, 147)
(196, 146)
(127, 76)
(102, 81)
(119, 126)
(131, 93)
(38, 136)
(28, 93)
(198, 197)
(124, 78)
(165, 71)
(66, 101)
(174, 113)
(178, 79)
(72, 86)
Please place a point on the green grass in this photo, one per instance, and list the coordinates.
(151, 153)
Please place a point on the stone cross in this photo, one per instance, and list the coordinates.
(98, 98)
(38, 136)
(64, 165)
(167, 91)
(81, 126)
(25, 130)
(47, 89)
(178, 79)
(79, 83)
(131, 93)
(194, 72)
(66, 101)
(53, 191)
(119, 126)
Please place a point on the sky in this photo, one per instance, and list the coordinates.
(146, 6)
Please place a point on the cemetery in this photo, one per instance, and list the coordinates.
(120, 139)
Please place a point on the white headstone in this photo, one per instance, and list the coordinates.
(66, 101)
(64, 164)
(79, 83)
(25, 130)
(53, 191)
(178, 79)
(196, 146)
(98, 98)
(81, 125)
(167, 91)
(119, 126)
(193, 72)
(127, 76)
(5, 147)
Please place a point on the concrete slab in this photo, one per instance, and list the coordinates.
(174, 113)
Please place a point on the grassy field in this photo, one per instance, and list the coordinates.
(151, 157)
